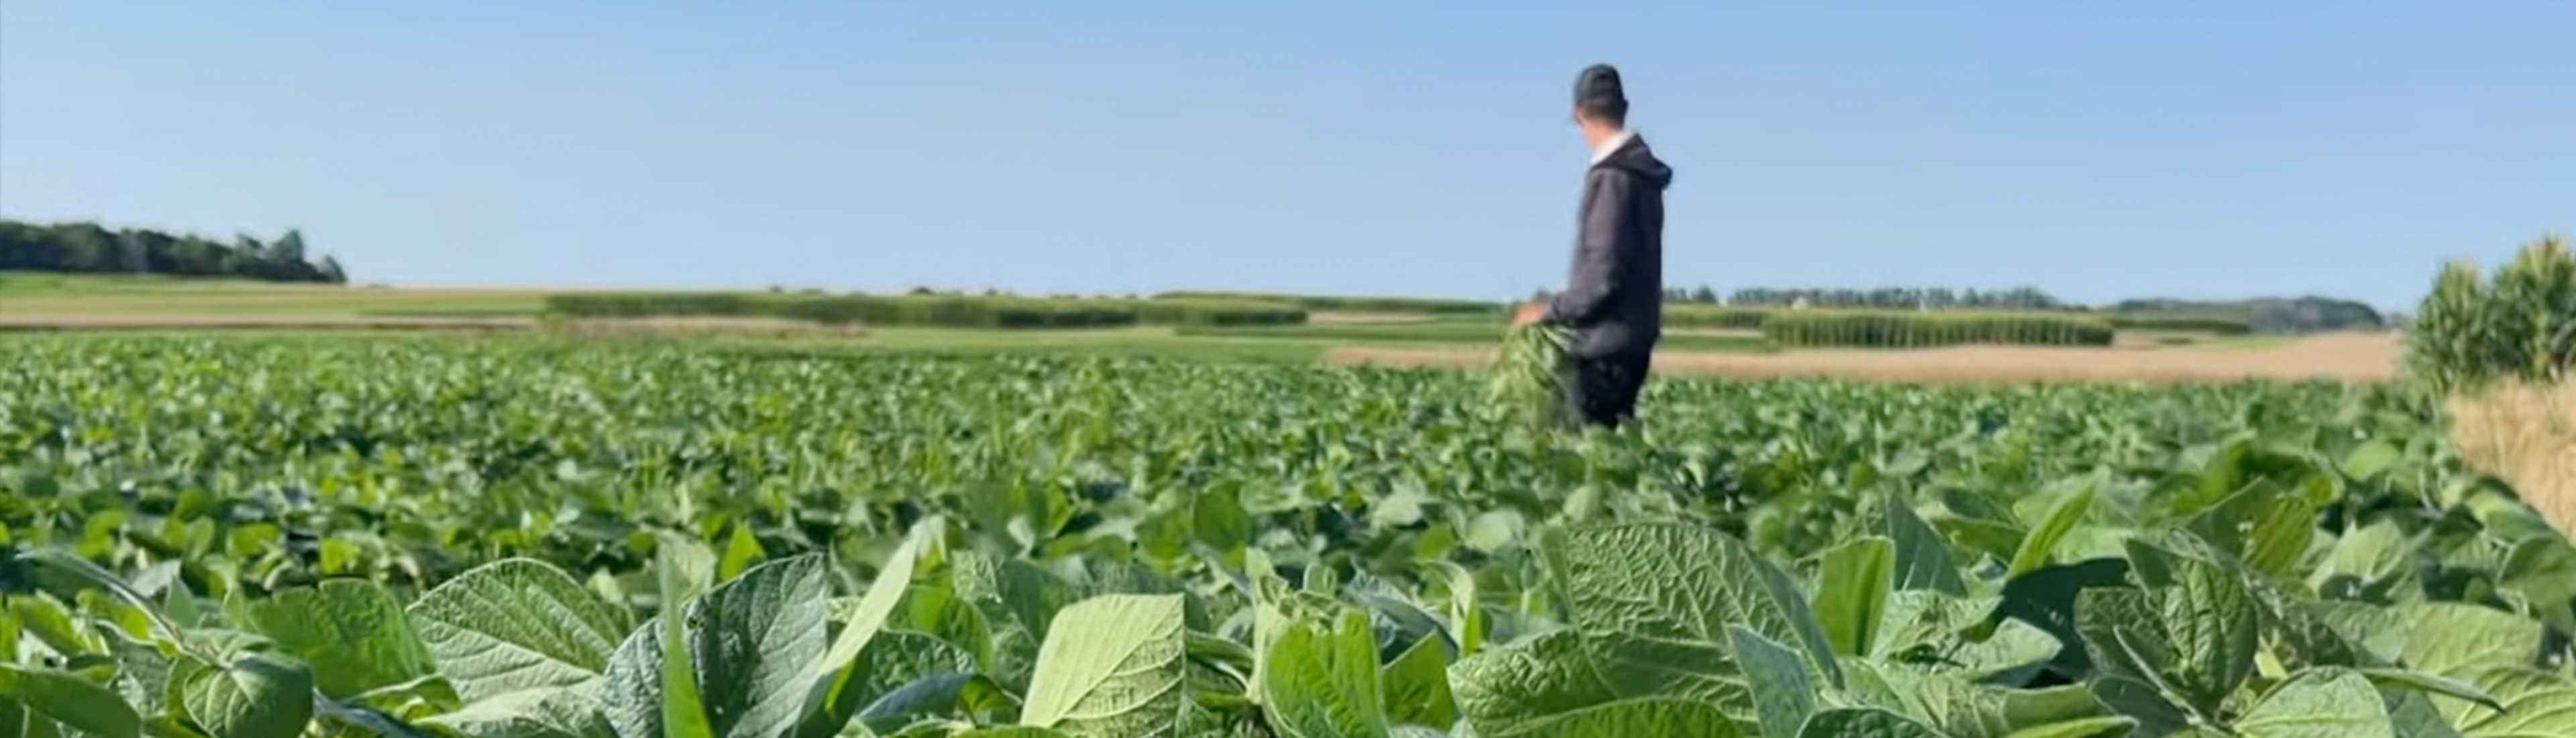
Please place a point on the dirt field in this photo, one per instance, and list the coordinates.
(2354, 357)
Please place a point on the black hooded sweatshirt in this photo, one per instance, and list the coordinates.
(1613, 298)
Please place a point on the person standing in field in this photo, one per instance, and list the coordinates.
(1613, 298)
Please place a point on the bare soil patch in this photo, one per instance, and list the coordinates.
(2351, 357)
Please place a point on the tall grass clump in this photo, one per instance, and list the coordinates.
(2501, 349)
(2525, 434)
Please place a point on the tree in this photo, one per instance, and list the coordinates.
(88, 247)
(330, 271)
(289, 247)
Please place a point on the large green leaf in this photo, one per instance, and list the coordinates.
(69, 699)
(1680, 586)
(1019, 602)
(1966, 710)
(2035, 547)
(958, 695)
(1416, 686)
(2364, 562)
(1783, 692)
(2264, 525)
(1923, 560)
(257, 696)
(2048, 599)
(2543, 570)
(50, 623)
(741, 551)
(142, 673)
(2123, 630)
(2214, 627)
(2139, 700)
(1321, 680)
(2013, 647)
(1852, 586)
(2367, 461)
(683, 707)
(1864, 723)
(349, 631)
(1111, 667)
(543, 712)
(2537, 704)
(2459, 640)
(752, 643)
(1503, 688)
(2320, 703)
(516, 625)
(834, 694)
(2083, 728)
(2429, 684)
(892, 660)
(1662, 717)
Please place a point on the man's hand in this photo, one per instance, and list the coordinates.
(1529, 313)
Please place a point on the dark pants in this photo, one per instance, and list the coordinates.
(1603, 391)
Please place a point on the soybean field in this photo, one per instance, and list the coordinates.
(477, 537)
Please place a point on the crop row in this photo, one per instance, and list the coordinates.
(1913, 330)
(255, 537)
(1347, 303)
(2189, 323)
(929, 310)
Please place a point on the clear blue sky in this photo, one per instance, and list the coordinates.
(2098, 150)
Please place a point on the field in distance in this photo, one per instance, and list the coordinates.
(1340, 330)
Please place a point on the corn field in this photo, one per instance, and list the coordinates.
(2519, 325)
(1920, 330)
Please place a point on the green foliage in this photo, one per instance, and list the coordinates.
(1528, 379)
(1920, 329)
(1455, 332)
(927, 310)
(87, 247)
(1111, 668)
(2262, 315)
(516, 625)
(2225, 326)
(1345, 304)
(2519, 325)
(482, 539)
(1899, 298)
(1706, 316)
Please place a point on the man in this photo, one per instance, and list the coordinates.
(1613, 299)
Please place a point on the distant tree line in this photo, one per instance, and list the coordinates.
(88, 247)
(2310, 314)
(1885, 298)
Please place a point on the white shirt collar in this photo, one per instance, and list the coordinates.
(1612, 145)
